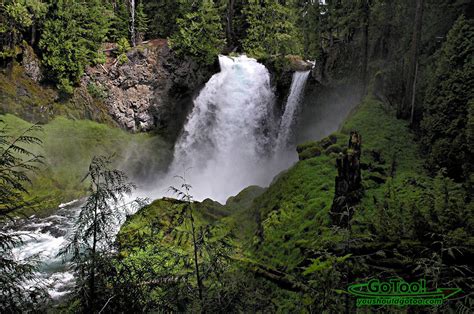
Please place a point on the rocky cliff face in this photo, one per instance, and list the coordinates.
(153, 90)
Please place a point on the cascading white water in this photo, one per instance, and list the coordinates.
(43, 238)
(227, 140)
(288, 119)
(231, 139)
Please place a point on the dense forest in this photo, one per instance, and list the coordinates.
(388, 195)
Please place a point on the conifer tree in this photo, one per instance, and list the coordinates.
(93, 231)
(448, 102)
(200, 33)
(16, 164)
(272, 30)
(141, 22)
(71, 39)
(120, 23)
(15, 18)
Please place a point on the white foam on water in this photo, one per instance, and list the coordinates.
(230, 138)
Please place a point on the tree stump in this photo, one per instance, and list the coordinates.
(348, 183)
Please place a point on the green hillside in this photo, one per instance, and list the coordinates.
(283, 238)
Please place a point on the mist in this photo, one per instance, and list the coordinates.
(325, 109)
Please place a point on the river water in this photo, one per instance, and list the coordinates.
(233, 138)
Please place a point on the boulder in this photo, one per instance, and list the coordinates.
(31, 64)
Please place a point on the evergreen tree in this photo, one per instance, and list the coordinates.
(71, 39)
(188, 214)
(449, 99)
(310, 24)
(16, 164)
(95, 224)
(163, 15)
(141, 22)
(120, 24)
(15, 18)
(199, 34)
(271, 29)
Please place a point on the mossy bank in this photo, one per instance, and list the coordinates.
(68, 147)
(282, 237)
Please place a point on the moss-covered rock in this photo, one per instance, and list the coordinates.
(328, 141)
(244, 199)
(333, 149)
(301, 147)
(310, 152)
(160, 220)
(24, 97)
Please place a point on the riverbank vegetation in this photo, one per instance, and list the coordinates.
(68, 147)
(271, 249)
(275, 249)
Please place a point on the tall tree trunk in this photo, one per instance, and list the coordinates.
(415, 43)
(229, 25)
(132, 23)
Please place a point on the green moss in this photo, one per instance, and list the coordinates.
(333, 149)
(310, 152)
(294, 209)
(241, 221)
(34, 102)
(68, 147)
(24, 97)
(161, 222)
(285, 228)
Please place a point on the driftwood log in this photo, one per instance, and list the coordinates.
(348, 189)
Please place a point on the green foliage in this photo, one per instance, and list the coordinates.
(166, 235)
(271, 31)
(402, 206)
(311, 25)
(16, 16)
(199, 34)
(123, 46)
(97, 90)
(101, 58)
(449, 99)
(309, 151)
(94, 227)
(120, 22)
(162, 16)
(68, 147)
(71, 38)
(19, 13)
(142, 22)
(16, 164)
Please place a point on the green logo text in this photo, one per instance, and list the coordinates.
(397, 292)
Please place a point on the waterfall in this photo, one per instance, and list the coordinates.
(232, 139)
(228, 138)
(292, 107)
